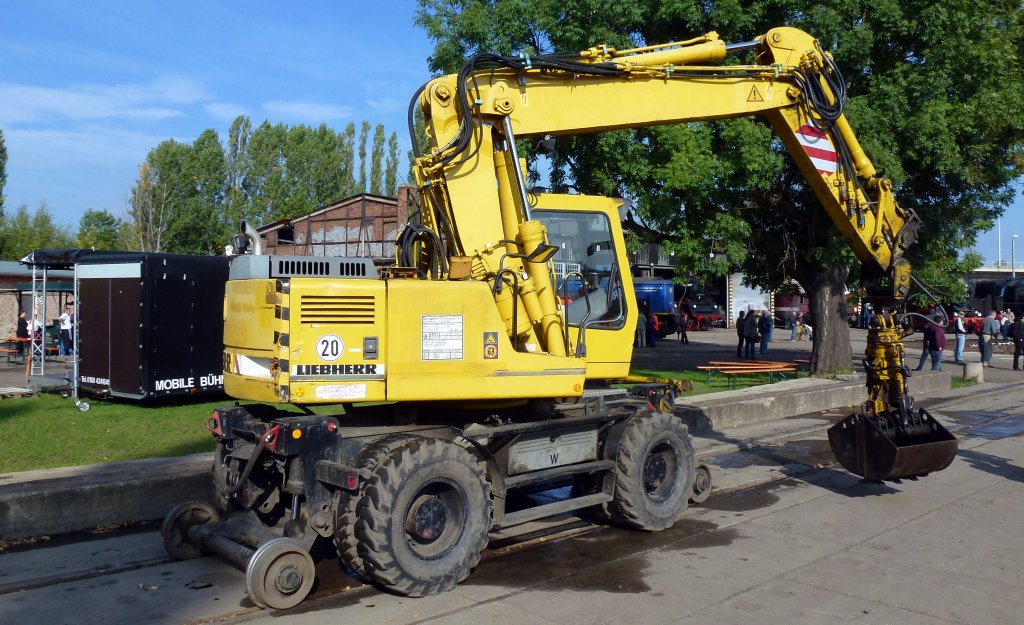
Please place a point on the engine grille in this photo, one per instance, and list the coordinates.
(337, 309)
(319, 266)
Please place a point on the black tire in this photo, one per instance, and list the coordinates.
(654, 472)
(424, 518)
(346, 516)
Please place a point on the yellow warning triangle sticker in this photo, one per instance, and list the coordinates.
(755, 95)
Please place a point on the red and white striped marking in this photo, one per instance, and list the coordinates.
(819, 148)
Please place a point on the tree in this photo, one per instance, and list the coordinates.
(935, 99)
(99, 230)
(149, 211)
(3, 171)
(348, 160)
(391, 169)
(35, 230)
(377, 161)
(4, 235)
(363, 134)
(238, 162)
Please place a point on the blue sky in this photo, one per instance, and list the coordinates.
(88, 88)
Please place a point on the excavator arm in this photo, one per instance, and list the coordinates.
(474, 118)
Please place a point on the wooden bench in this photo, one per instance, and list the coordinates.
(731, 372)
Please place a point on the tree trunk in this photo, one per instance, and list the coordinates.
(825, 288)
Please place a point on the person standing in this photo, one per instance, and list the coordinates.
(1007, 323)
(765, 327)
(653, 328)
(934, 343)
(641, 329)
(989, 331)
(750, 336)
(1017, 334)
(22, 333)
(960, 332)
(66, 319)
(684, 322)
(739, 333)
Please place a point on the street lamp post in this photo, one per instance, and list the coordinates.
(1013, 266)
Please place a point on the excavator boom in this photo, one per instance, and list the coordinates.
(475, 117)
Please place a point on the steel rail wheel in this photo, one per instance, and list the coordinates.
(701, 484)
(176, 523)
(280, 574)
(654, 472)
(424, 518)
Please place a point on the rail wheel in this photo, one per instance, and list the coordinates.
(176, 523)
(280, 574)
(345, 541)
(424, 518)
(701, 484)
(654, 472)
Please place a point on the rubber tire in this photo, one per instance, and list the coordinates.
(633, 506)
(391, 562)
(346, 514)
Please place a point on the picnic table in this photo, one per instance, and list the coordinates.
(776, 371)
(9, 346)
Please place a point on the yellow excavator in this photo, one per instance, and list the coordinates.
(461, 370)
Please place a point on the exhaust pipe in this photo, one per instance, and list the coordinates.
(255, 242)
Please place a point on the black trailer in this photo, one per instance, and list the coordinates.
(149, 325)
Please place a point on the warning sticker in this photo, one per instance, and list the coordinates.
(490, 345)
(441, 337)
(341, 391)
(755, 95)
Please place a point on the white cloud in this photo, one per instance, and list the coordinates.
(387, 105)
(297, 110)
(90, 167)
(20, 103)
(225, 111)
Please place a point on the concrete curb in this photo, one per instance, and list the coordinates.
(720, 411)
(58, 501)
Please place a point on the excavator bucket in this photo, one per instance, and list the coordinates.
(877, 449)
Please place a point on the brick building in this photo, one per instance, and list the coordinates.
(363, 225)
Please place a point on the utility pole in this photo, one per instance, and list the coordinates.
(999, 242)
(1013, 264)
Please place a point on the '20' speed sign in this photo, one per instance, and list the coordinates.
(329, 347)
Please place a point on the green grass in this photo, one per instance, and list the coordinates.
(961, 383)
(700, 383)
(47, 431)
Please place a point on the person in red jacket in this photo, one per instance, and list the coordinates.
(934, 343)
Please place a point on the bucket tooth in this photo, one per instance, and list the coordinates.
(882, 449)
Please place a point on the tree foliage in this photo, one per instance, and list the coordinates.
(935, 98)
(27, 230)
(190, 198)
(100, 230)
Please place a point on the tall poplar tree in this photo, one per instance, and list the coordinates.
(391, 169)
(364, 134)
(377, 161)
